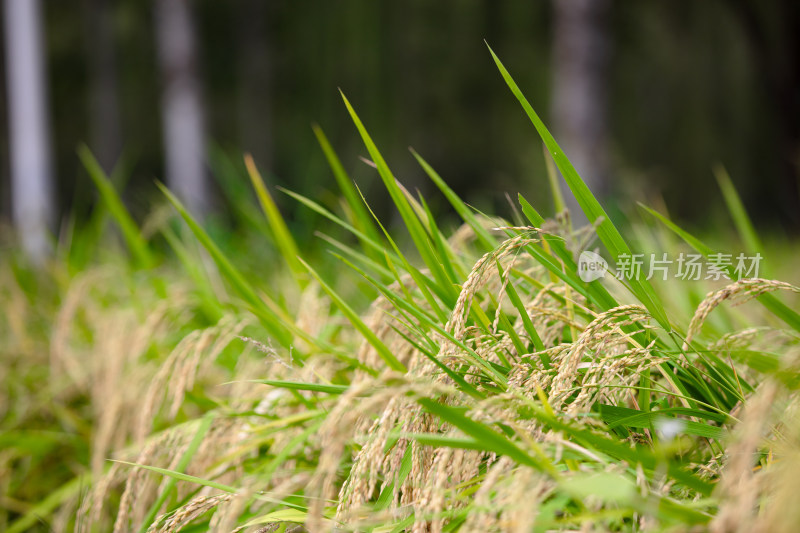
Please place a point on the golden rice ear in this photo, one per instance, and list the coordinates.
(476, 279)
(178, 372)
(361, 400)
(739, 487)
(605, 332)
(738, 292)
(185, 514)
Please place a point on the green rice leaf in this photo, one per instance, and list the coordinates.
(606, 231)
(739, 214)
(426, 320)
(412, 222)
(130, 231)
(296, 385)
(559, 205)
(567, 269)
(605, 486)
(437, 440)
(778, 308)
(383, 351)
(365, 239)
(268, 318)
(362, 219)
(530, 329)
(487, 240)
(385, 497)
(622, 451)
(283, 238)
(182, 477)
(191, 450)
(622, 416)
(295, 516)
(490, 439)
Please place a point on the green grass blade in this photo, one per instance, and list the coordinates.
(291, 446)
(455, 376)
(194, 445)
(487, 240)
(739, 214)
(437, 440)
(530, 329)
(691, 240)
(384, 499)
(180, 476)
(396, 257)
(374, 266)
(490, 439)
(412, 222)
(424, 283)
(559, 205)
(412, 309)
(442, 247)
(130, 231)
(283, 516)
(296, 385)
(606, 231)
(595, 291)
(621, 416)
(778, 308)
(81, 246)
(317, 208)
(622, 451)
(231, 177)
(383, 351)
(283, 238)
(268, 318)
(194, 266)
(362, 219)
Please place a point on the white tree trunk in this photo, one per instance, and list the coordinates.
(181, 106)
(580, 57)
(32, 195)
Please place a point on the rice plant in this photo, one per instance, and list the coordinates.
(486, 386)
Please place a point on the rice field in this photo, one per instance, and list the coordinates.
(411, 378)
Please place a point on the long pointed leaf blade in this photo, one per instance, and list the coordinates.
(268, 318)
(194, 445)
(130, 231)
(412, 222)
(777, 307)
(606, 231)
(362, 219)
(383, 351)
(490, 439)
(488, 241)
(283, 238)
(182, 477)
(739, 214)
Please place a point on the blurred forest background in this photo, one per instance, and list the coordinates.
(645, 96)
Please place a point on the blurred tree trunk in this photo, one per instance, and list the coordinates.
(32, 200)
(183, 121)
(104, 115)
(580, 58)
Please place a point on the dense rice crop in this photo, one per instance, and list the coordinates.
(469, 380)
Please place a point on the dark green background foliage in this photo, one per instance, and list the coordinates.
(689, 84)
